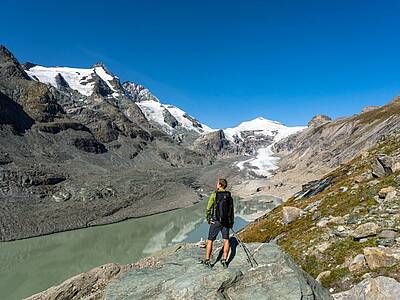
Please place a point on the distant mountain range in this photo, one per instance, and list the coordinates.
(79, 148)
(246, 138)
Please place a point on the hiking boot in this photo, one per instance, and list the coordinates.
(206, 262)
(224, 264)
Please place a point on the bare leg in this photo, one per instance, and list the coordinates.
(226, 249)
(209, 246)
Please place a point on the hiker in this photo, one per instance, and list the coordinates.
(220, 216)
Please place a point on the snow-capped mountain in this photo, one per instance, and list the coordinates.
(170, 117)
(78, 79)
(98, 80)
(259, 129)
(257, 137)
(137, 92)
(254, 137)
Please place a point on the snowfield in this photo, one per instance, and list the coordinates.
(265, 160)
(154, 111)
(78, 79)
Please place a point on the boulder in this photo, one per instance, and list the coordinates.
(385, 165)
(340, 220)
(387, 234)
(384, 191)
(378, 257)
(379, 288)
(179, 276)
(365, 230)
(290, 214)
(358, 263)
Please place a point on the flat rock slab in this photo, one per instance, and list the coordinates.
(179, 275)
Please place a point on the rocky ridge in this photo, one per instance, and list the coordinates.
(346, 226)
(314, 152)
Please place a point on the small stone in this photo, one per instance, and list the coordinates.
(341, 228)
(384, 191)
(323, 247)
(365, 230)
(322, 223)
(363, 240)
(353, 219)
(322, 275)
(358, 263)
(358, 209)
(377, 257)
(386, 242)
(354, 187)
(316, 216)
(373, 182)
(388, 234)
(291, 214)
(343, 189)
(390, 196)
(337, 220)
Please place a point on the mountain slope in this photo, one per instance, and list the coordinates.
(345, 224)
(71, 159)
(317, 150)
(97, 80)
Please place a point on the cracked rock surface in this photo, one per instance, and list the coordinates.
(179, 275)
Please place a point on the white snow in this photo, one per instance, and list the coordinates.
(77, 78)
(261, 125)
(265, 161)
(179, 114)
(154, 111)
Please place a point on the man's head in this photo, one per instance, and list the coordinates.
(222, 183)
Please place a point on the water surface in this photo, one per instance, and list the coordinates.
(32, 265)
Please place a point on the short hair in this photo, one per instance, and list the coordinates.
(223, 183)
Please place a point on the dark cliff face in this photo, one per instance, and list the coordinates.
(10, 68)
(11, 113)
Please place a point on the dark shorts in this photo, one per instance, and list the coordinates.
(215, 228)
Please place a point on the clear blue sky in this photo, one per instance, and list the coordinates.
(224, 61)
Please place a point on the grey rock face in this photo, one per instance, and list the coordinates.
(11, 113)
(314, 187)
(180, 276)
(317, 150)
(213, 144)
(137, 92)
(379, 288)
(384, 165)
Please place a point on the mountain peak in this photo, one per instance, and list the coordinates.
(10, 67)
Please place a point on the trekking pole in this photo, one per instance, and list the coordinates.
(247, 249)
(250, 257)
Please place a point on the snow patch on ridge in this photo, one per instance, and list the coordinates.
(77, 78)
(154, 111)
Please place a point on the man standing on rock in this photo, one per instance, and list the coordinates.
(220, 216)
